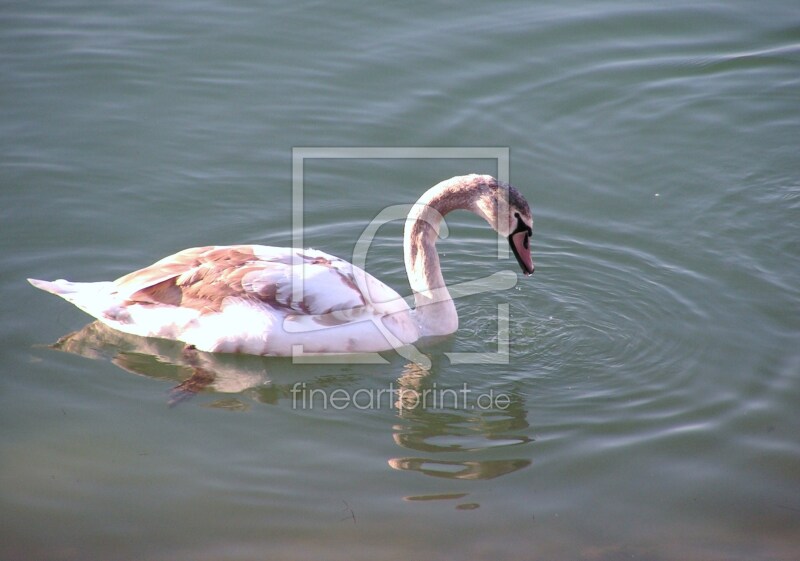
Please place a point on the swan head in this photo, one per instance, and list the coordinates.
(507, 211)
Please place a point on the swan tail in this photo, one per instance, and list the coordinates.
(94, 298)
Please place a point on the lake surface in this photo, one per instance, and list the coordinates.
(651, 392)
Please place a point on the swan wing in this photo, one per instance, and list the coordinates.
(252, 299)
(206, 278)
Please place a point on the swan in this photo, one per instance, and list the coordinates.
(242, 299)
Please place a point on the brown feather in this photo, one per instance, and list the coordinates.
(201, 278)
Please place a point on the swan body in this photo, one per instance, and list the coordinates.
(265, 300)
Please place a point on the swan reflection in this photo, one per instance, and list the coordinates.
(452, 424)
(465, 469)
(463, 428)
(167, 360)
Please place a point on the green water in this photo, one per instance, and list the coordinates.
(653, 378)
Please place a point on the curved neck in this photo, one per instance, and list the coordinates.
(435, 310)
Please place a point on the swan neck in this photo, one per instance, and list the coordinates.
(435, 310)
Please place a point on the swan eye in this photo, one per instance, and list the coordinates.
(522, 227)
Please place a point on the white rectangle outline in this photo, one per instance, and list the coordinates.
(501, 154)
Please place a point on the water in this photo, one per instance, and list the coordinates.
(654, 371)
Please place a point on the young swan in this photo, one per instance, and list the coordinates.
(241, 298)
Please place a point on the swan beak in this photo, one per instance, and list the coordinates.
(520, 245)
